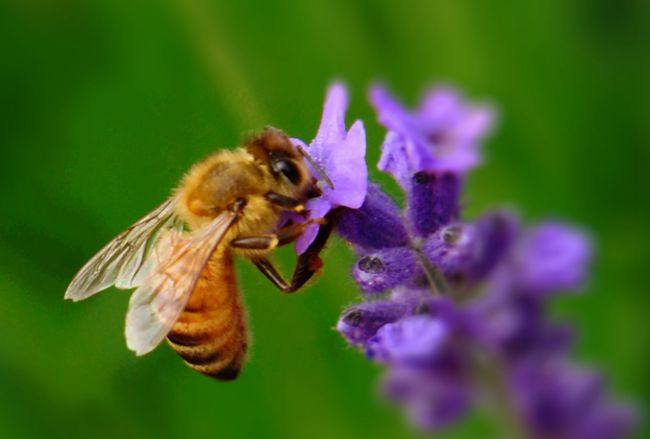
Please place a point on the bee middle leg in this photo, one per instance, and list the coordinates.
(307, 265)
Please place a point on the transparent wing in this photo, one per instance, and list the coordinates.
(122, 261)
(177, 264)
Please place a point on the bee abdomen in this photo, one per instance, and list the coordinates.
(210, 334)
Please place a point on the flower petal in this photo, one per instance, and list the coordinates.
(394, 158)
(345, 165)
(413, 341)
(332, 124)
(318, 208)
(552, 257)
(476, 124)
(390, 112)
(440, 108)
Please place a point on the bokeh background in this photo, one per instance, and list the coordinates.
(105, 103)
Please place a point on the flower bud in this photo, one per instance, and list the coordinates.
(379, 271)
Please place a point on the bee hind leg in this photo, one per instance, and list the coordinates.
(268, 269)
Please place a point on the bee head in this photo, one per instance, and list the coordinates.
(274, 149)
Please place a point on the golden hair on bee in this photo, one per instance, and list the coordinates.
(180, 256)
(267, 162)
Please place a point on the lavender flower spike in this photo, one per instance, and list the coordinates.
(341, 155)
(455, 309)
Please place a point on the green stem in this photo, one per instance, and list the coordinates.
(497, 397)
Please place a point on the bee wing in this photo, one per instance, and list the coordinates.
(122, 261)
(177, 264)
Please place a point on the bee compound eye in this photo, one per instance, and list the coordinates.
(287, 168)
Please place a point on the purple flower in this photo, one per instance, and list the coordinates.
(466, 253)
(558, 399)
(431, 401)
(414, 340)
(551, 257)
(462, 304)
(341, 155)
(453, 250)
(443, 134)
(608, 420)
(516, 328)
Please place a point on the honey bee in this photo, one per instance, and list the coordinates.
(180, 256)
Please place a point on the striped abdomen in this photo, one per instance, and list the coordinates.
(210, 334)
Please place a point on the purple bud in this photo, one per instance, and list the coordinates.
(433, 201)
(376, 224)
(414, 341)
(431, 401)
(467, 253)
(378, 271)
(408, 294)
(453, 250)
(607, 421)
(460, 321)
(557, 399)
(551, 257)
(515, 328)
(549, 393)
(496, 233)
(360, 322)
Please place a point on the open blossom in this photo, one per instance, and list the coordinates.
(340, 154)
(552, 257)
(412, 340)
(448, 300)
(443, 134)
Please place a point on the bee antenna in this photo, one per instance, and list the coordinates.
(314, 165)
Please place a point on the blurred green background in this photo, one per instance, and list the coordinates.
(106, 103)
